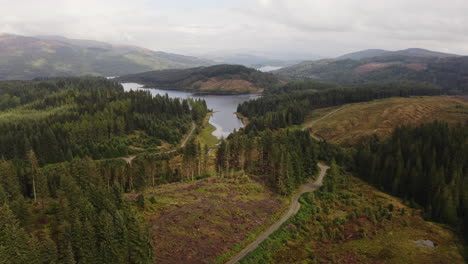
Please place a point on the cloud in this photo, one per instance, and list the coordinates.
(324, 27)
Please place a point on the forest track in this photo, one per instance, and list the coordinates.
(293, 209)
(310, 124)
(186, 139)
(184, 142)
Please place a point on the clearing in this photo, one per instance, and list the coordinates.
(195, 222)
(357, 224)
(351, 124)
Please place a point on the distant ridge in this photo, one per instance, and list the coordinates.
(448, 71)
(23, 58)
(412, 52)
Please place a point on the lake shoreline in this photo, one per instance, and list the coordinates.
(224, 106)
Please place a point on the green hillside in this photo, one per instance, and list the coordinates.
(23, 58)
(450, 73)
(219, 78)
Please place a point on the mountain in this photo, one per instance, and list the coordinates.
(229, 79)
(445, 70)
(249, 60)
(363, 54)
(24, 58)
(413, 52)
(257, 58)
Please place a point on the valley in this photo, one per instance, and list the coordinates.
(357, 159)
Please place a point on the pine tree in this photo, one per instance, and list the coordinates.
(15, 243)
(66, 256)
(9, 180)
(48, 253)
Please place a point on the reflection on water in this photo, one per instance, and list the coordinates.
(224, 106)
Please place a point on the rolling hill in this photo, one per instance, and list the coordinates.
(351, 124)
(229, 79)
(369, 53)
(445, 70)
(23, 58)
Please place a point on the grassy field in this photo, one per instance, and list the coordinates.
(196, 222)
(357, 121)
(24, 114)
(357, 224)
(205, 137)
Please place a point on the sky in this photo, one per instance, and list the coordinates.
(276, 28)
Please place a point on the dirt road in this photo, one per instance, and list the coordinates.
(293, 209)
(310, 124)
(184, 142)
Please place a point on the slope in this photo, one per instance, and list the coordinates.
(23, 58)
(445, 70)
(357, 121)
(219, 78)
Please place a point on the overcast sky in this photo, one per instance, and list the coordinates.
(308, 27)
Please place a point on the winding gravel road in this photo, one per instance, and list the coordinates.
(293, 209)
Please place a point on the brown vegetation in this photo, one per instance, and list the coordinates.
(377, 66)
(195, 222)
(380, 117)
(227, 85)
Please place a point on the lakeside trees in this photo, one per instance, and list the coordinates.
(77, 117)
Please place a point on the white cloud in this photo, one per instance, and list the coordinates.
(324, 27)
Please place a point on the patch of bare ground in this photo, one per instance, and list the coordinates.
(381, 117)
(227, 85)
(194, 222)
(371, 67)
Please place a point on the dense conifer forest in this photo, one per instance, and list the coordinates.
(75, 211)
(67, 118)
(426, 165)
(284, 158)
(66, 195)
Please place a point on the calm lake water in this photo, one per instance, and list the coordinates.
(224, 106)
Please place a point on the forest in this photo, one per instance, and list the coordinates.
(425, 165)
(448, 73)
(62, 119)
(284, 158)
(63, 200)
(185, 78)
(66, 195)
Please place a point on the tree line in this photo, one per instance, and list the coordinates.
(426, 165)
(73, 217)
(290, 105)
(284, 158)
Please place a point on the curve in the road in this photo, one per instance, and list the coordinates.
(293, 209)
(184, 142)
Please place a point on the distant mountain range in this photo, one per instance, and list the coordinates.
(257, 58)
(225, 79)
(24, 57)
(448, 71)
(413, 52)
